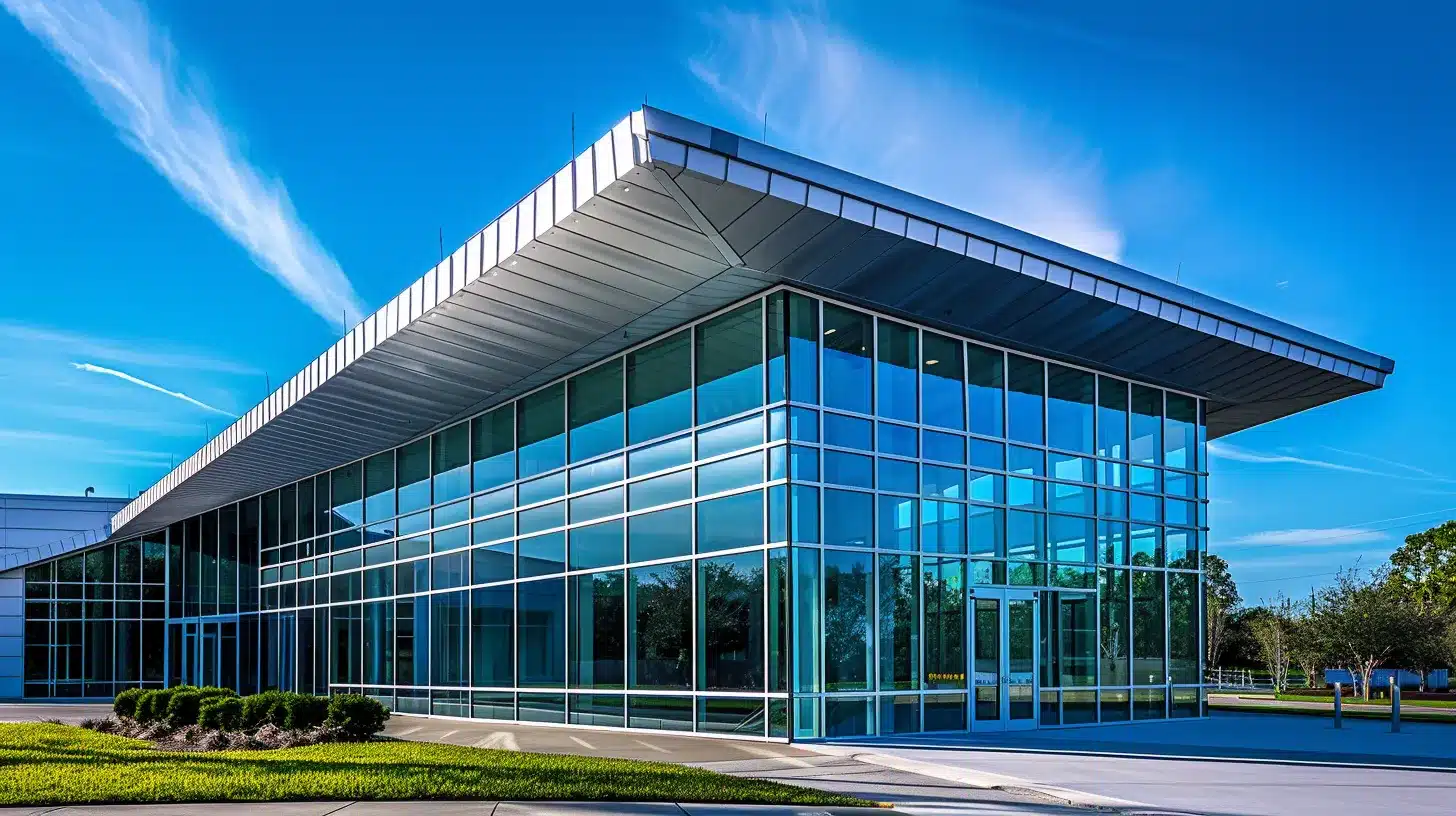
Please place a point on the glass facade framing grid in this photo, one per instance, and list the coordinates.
(770, 522)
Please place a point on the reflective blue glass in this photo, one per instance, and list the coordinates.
(450, 453)
(731, 522)
(542, 489)
(494, 563)
(450, 513)
(1071, 539)
(899, 476)
(1025, 492)
(492, 648)
(897, 355)
(596, 474)
(594, 411)
(793, 347)
(988, 487)
(660, 456)
(447, 571)
(378, 489)
(1068, 498)
(1145, 508)
(804, 514)
(541, 430)
(659, 388)
(803, 463)
(943, 482)
(452, 538)
(848, 337)
(493, 448)
(1112, 503)
(942, 526)
(541, 518)
(494, 502)
(942, 383)
(542, 555)
(730, 436)
(1026, 461)
(663, 534)
(661, 490)
(1070, 468)
(541, 632)
(803, 424)
(596, 545)
(1070, 408)
(729, 362)
(990, 455)
(1111, 418)
(848, 432)
(730, 474)
(898, 440)
(899, 522)
(1025, 399)
(848, 604)
(1180, 436)
(944, 447)
(596, 505)
(849, 469)
(1025, 535)
(848, 518)
(986, 390)
(1147, 425)
(986, 530)
(1146, 546)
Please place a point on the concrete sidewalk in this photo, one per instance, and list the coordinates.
(438, 809)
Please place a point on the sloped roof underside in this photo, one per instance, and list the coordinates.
(664, 220)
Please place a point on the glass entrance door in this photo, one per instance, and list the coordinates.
(1004, 660)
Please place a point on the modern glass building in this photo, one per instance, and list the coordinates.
(703, 436)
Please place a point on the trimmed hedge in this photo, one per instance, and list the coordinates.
(359, 717)
(221, 714)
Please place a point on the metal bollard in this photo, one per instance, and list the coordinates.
(1339, 709)
(1395, 708)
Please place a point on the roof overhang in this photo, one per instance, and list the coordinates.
(665, 219)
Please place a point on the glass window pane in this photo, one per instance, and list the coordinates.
(660, 456)
(942, 526)
(660, 615)
(899, 611)
(985, 389)
(848, 432)
(493, 448)
(847, 603)
(664, 534)
(730, 621)
(541, 633)
(1181, 437)
(594, 411)
(598, 631)
(379, 487)
(1147, 425)
(540, 430)
(451, 451)
(848, 518)
(1026, 387)
(945, 623)
(847, 340)
(729, 351)
(731, 522)
(1116, 647)
(943, 393)
(1148, 631)
(803, 349)
(449, 639)
(1069, 408)
(542, 555)
(660, 490)
(1183, 627)
(412, 475)
(899, 523)
(659, 379)
(730, 436)
(898, 440)
(849, 469)
(492, 636)
(348, 506)
(1111, 418)
(730, 474)
(596, 545)
(897, 363)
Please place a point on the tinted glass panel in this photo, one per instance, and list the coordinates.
(847, 341)
(594, 411)
(729, 362)
(659, 379)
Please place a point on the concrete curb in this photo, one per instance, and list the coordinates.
(980, 779)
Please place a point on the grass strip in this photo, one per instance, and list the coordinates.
(44, 764)
(1406, 715)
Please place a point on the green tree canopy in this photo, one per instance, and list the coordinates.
(1425, 567)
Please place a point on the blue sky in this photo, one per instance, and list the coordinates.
(199, 195)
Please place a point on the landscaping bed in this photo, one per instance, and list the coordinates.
(47, 764)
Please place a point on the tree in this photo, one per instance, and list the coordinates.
(1221, 600)
(1274, 634)
(1425, 567)
(1309, 650)
(1364, 620)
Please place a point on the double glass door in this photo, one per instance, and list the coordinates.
(1004, 638)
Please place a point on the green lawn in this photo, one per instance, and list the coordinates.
(1406, 714)
(1353, 700)
(43, 764)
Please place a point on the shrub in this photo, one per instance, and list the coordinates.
(304, 711)
(221, 713)
(182, 708)
(269, 707)
(359, 717)
(125, 704)
(153, 705)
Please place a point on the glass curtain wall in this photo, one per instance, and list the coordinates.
(773, 522)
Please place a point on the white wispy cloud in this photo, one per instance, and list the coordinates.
(833, 96)
(132, 72)
(111, 372)
(1390, 462)
(1223, 450)
(28, 341)
(1310, 535)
